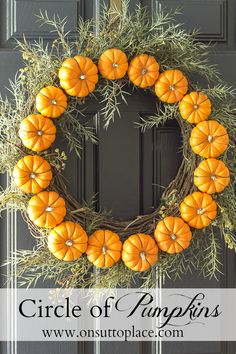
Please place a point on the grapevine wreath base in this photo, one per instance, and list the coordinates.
(75, 244)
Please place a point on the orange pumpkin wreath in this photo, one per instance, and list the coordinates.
(181, 233)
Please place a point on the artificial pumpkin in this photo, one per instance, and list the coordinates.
(32, 174)
(67, 241)
(46, 209)
(140, 252)
(78, 76)
(171, 86)
(172, 235)
(113, 64)
(209, 139)
(37, 132)
(211, 176)
(198, 209)
(195, 107)
(51, 102)
(104, 248)
(143, 70)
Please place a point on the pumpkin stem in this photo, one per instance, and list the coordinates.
(142, 255)
(48, 209)
(200, 211)
(210, 138)
(104, 249)
(173, 236)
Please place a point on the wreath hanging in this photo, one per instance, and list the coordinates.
(197, 209)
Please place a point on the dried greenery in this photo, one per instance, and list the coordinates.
(158, 35)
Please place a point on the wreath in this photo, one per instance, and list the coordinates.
(77, 245)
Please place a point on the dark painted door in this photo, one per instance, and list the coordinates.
(140, 162)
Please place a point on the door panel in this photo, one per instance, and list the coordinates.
(216, 21)
(127, 170)
(206, 15)
(16, 18)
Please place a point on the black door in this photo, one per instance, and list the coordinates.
(141, 163)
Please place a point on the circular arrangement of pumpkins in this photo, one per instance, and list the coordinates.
(67, 240)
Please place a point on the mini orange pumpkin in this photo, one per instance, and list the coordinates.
(67, 241)
(51, 102)
(140, 252)
(143, 70)
(104, 248)
(78, 76)
(198, 209)
(113, 64)
(171, 86)
(46, 209)
(195, 107)
(172, 235)
(211, 176)
(37, 132)
(209, 139)
(32, 174)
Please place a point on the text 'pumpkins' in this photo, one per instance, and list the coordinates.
(140, 252)
(78, 76)
(198, 210)
(46, 209)
(67, 241)
(172, 235)
(37, 132)
(32, 174)
(104, 248)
